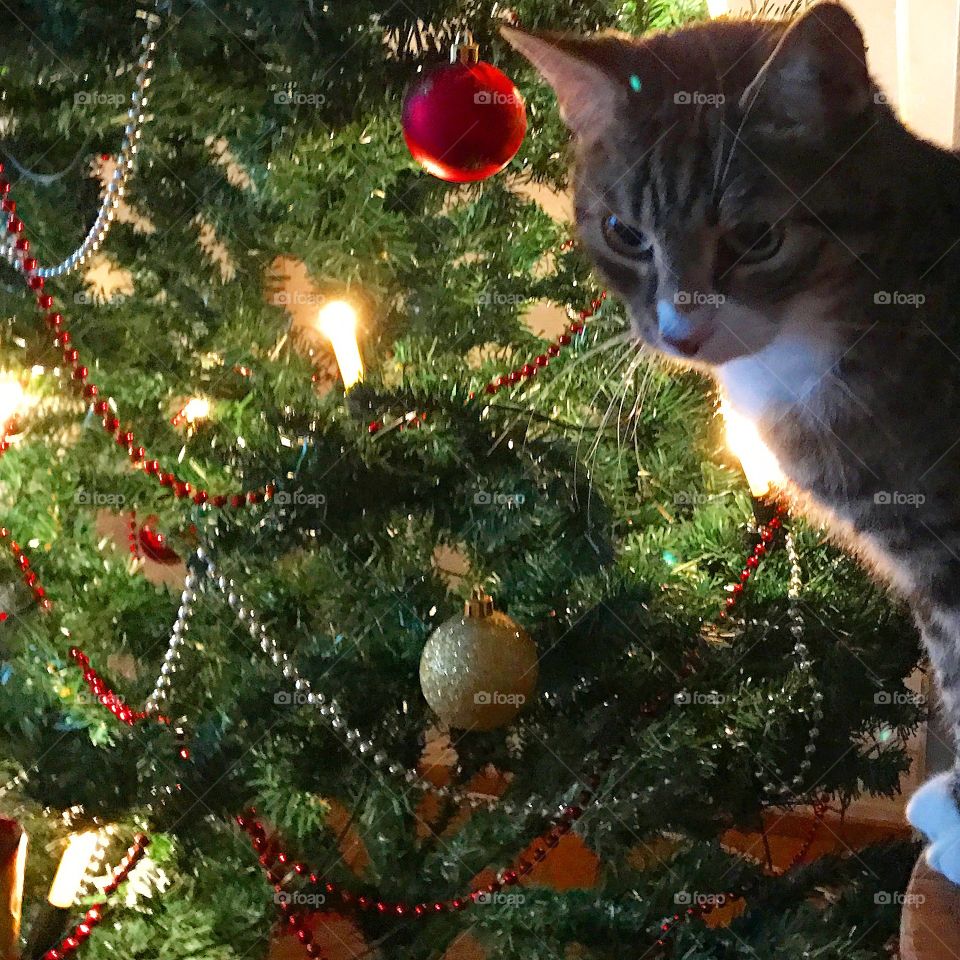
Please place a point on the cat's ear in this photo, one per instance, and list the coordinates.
(590, 99)
(817, 78)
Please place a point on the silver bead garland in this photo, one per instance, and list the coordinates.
(327, 707)
(171, 659)
(784, 790)
(116, 188)
(19, 779)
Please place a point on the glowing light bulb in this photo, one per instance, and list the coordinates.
(197, 408)
(13, 846)
(718, 8)
(337, 321)
(759, 465)
(81, 848)
(12, 397)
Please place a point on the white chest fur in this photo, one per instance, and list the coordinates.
(789, 371)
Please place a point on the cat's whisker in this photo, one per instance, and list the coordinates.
(587, 460)
(605, 384)
(620, 391)
(623, 340)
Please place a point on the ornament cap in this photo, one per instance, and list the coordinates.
(467, 52)
(479, 604)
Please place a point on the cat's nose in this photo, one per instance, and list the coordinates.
(676, 328)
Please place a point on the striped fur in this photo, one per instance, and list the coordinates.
(845, 347)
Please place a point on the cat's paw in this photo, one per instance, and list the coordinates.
(933, 811)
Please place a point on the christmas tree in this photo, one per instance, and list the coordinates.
(222, 568)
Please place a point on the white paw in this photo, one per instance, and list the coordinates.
(933, 811)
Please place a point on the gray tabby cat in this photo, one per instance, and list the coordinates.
(745, 189)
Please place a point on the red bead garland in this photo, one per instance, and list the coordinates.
(107, 697)
(23, 561)
(767, 533)
(93, 916)
(29, 577)
(529, 370)
(281, 868)
(699, 911)
(409, 421)
(79, 374)
(133, 535)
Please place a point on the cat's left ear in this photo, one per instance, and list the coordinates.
(816, 79)
(589, 96)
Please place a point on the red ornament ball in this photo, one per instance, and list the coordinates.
(154, 544)
(464, 121)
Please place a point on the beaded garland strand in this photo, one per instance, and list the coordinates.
(19, 247)
(22, 560)
(282, 870)
(94, 915)
(805, 666)
(126, 158)
(89, 391)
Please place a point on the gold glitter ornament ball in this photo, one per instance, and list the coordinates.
(477, 671)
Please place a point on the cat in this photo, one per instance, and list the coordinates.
(747, 191)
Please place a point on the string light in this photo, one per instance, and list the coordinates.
(759, 465)
(13, 843)
(197, 408)
(70, 876)
(12, 397)
(337, 321)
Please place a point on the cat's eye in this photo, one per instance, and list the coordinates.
(626, 240)
(754, 242)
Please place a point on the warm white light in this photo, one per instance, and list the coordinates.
(759, 464)
(11, 895)
(81, 848)
(12, 397)
(198, 408)
(337, 321)
(718, 8)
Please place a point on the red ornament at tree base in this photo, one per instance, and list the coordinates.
(465, 120)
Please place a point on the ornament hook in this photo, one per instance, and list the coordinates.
(466, 52)
(479, 604)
